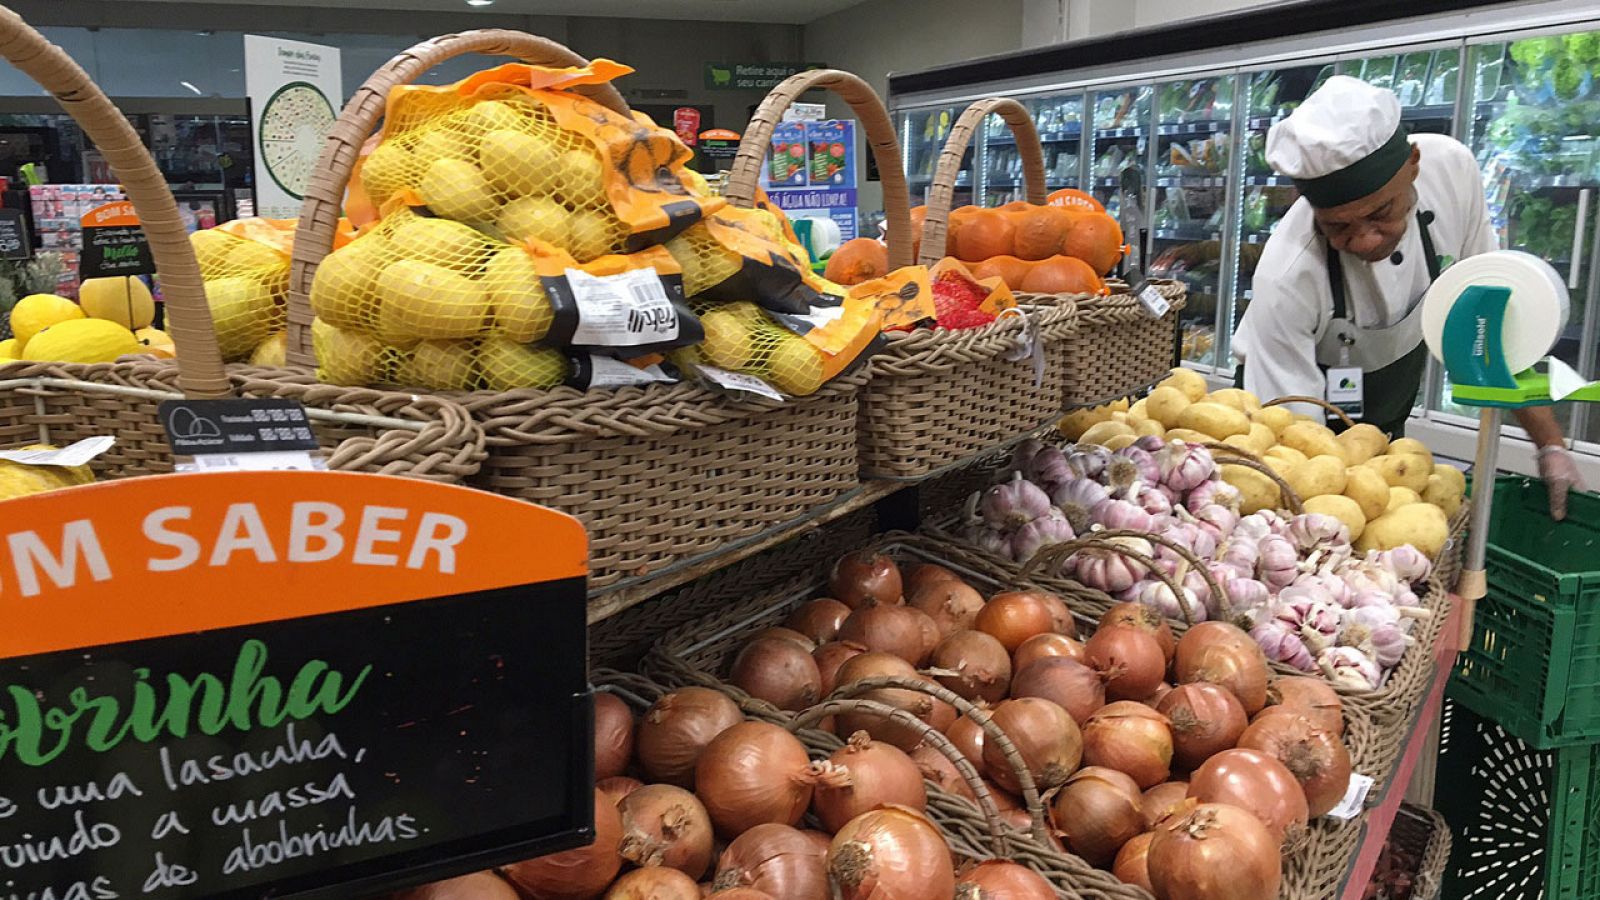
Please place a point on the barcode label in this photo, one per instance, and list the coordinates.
(628, 309)
(1355, 798)
(1154, 304)
(740, 382)
(270, 461)
(76, 454)
(606, 372)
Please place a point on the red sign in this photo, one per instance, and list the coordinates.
(686, 122)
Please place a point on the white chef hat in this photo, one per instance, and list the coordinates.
(1343, 143)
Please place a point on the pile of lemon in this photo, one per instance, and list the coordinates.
(20, 480)
(111, 319)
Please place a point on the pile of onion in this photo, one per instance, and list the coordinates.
(779, 671)
(752, 774)
(673, 732)
(996, 879)
(1316, 758)
(1213, 851)
(863, 775)
(665, 825)
(891, 852)
(777, 859)
(580, 873)
(865, 577)
(1096, 812)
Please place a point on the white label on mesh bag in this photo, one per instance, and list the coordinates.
(76, 454)
(607, 372)
(1355, 798)
(269, 461)
(739, 381)
(1154, 304)
(627, 309)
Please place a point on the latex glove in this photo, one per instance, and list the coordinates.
(1560, 474)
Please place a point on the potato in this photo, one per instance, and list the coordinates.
(1452, 475)
(1282, 466)
(1422, 525)
(1143, 427)
(1188, 435)
(1165, 404)
(1190, 382)
(1214, 419)
(1257, 491)
(1118, 441)
(1442, 491)
(1100, 432)
(1366, 439)
(1075, 423)
(1137, 412)
(1368, 489)
(1401, 496)
(1289, 453)
(1406, 470)
(1119, 417)
(1317, 476)
(1410, 445)
(1311, 439)
(1239, 399)
(1342, 508)
(1260, 437)
(1243, 442)
(1275, 417)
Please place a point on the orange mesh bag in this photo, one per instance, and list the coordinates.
(245, 264)
(749, 254)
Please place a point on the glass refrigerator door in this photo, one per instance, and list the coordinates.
(1193, 135)
(1059, 119)
(1120, 144)
(922, 136)
(1424, 80)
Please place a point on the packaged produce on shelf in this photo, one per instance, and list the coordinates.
(1041, 249)
(962, 299)
(112, 321)
(245, 265)
(19, 479)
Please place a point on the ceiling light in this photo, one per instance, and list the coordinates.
(480, 2)
(192, 88)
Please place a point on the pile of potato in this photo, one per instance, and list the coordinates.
(1389, 493)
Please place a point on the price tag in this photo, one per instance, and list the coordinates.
(628, 309)
(605, 372)
(270, 461)
(1355, 798)
(258, 435)
(740, 382)
(76, 454)
(14, 240)
(1155, 305)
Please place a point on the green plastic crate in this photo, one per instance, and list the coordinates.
(1534, 662)
(1525, 823)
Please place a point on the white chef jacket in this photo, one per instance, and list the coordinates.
(1292, 301)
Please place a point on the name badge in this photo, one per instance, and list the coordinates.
(1344, 389)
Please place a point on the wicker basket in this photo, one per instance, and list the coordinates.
(359, 429)
(1119, 350)
(657, 474)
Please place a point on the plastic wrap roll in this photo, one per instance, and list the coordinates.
(1535, 315)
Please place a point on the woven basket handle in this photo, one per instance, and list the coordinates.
(319, 214)
(936, 224)
(200, 371)
(1243, 457)
(1315, 401)
(745, 176)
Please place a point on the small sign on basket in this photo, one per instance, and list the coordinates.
(262, 434)
(114, 243)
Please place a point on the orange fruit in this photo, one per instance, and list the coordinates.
(1095, 238)
(857, 260)
(1041, 231)
(985, 233)
(1011, 270)
(1061, 275)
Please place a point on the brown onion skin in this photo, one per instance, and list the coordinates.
(1145, 619)
(777, 859)
(929, 630)
(1130, 658)
(937, 768)
(779, 671)
(654, 884)
(1044, 646)
(477, 886)
(1159, 694)
(829, 658)
(996, 879)
(869, 665)
(1213, 851)
(887, 629)
(578, 874)
(865, 577)
(1060, 614)
(1131, 738)
(665, 825)
(1316, 757)
(743, 894)
(672, 733)
(1015, 616)
(613, 735)
(981, 666)
(819, 619)
(865, 775)
(1255, 782)
(618, 786)
(753, 773)
(891, 852)
(787, 634)
(953, 605)
(922, 575)
(1160, 800)
(1045, 737)
(1223, 654)
(1096, 812)
(1313, 698)
(1072, 686)
(967, 736)
(1132, 865)
(1206, 719)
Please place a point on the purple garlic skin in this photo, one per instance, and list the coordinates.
(1157, 596)
(1310, 531)
(1407, 563)
(1281, 643)
(1350, 667)
(1185, 467)
(1120, 514)
(1108, 570)
(1023, 453)
(1080, 492)
(1279, 564)
(1050, 528)
(987, 539)
(1013, 504)
(1154, 501)
(1049, 468)
(1214, 493)
(1090, 459)
(1149, 470)
(1149, 443)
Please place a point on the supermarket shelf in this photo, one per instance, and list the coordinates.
(1261, 123)
(1110, 134)
(1434, 111)
(1191, 234)
(1182, 129)
(1255, 237)
(1194, 181)
(1269, 181)
(1114, 181)
(1053, 181)
(1561, 181)
(1045, 137)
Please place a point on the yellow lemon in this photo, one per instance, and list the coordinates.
(36, 312)
(121, 299)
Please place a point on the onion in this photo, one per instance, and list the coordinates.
(819, 619)
(754, 772)
(1131, 738)
(1045, 737)
(779, 671)
(1313, 698)
(887, 629)
(613, 735)
(865, 577)
(996, 879)
(1255, 782)
(929, 630)
(580, 873)
(876, 665)
(1316, 757)
(654, 884)
(1015, 616)
(1132, 865)
(778, 859)
(618, 786)
(1072, 686)
(924, 574)
(663, 825)
(1096, 812)
(674, 731)
(1224, 654)
(865, 774)
(1130, 658)
(1213, 851)
(830, 657)
(974, 665)
(787, 634)
(934, 766)
(1140, 616)
(953, 605)
(967, 736)
(744, 894)
(477, 886)
(1041, 646)
(1157, 695)
(891, 853)
(1206, 719)
(1161, 800)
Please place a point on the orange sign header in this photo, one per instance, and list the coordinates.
(117, 214)
(153, 557)
(719, 134)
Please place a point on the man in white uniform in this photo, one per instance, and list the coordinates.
(1340, 282)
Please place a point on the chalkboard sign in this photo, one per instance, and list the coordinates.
(15, 242)
(236, 425)
(113, 243)
(286, 684)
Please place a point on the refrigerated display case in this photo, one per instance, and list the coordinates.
(922, 136)
(1059, 119)
(1118, 145)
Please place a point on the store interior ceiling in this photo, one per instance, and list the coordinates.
(791, 12)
